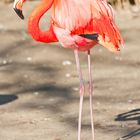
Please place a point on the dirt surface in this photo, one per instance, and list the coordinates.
(39, 96)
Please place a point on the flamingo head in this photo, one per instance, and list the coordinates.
(18, 4)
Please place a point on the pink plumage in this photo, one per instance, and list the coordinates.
(90, 17)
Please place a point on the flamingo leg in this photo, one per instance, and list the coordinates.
(90, 93)
(82, 89)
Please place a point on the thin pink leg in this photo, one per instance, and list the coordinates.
(91, 94)
(82, 89)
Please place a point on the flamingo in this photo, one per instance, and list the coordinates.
(78, 25)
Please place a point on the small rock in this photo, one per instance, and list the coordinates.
(51, 100)
(68, 75)
(29, 58)
(4, 62)
(129, 101)
(47, 119)
(66, 62)
(1, 27)
(75, 89)
(36, 93)
(25, 76)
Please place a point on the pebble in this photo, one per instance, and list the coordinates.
(47, 119)
(25, 76)
(75, 89)
(29, 58)
(68, 75)
(36, 93)
(4, 62)
(1, 27)
(66, 62)
(51, 100)
(129, 101)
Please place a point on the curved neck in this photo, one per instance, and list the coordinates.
(33, 23)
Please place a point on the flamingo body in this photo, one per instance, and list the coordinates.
(79, 25)
(72, 18)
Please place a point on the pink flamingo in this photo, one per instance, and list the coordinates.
(79, 25)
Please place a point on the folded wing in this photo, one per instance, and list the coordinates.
(88, 17)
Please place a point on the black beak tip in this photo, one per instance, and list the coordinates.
(19, 13)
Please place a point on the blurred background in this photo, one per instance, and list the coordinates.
(39, 96)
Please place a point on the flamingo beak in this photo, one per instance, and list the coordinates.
(18, 8)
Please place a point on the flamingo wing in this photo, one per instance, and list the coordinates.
(87, 18)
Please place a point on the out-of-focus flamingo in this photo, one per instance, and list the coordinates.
(79, 25)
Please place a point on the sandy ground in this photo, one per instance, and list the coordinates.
(39, 85)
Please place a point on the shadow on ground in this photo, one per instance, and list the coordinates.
(4, 99)
(133, 115)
